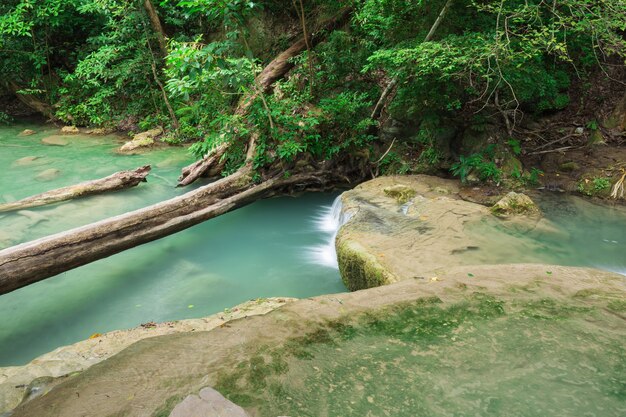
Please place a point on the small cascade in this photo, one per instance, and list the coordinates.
(329, 221)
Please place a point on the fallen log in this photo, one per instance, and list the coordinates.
(30, 262)
(212, 163)
(114, 182)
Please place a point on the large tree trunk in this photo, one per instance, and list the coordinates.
(117, 181)
(212, 164)
(31, 101)
(30, 262)
(156, 25)
(392, 84)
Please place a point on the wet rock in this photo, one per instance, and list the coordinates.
(27, 160)
(515, 204)
(596, 138)
(400, 192)
(569, 166)
(98, 131)
(67, 360)
(69, 130)
(27, 132)
(54, 140)
(141, 140)
(208, 403)
(48, 174)
(35, 217)
(400, 229)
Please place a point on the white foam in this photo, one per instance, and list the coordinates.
(328, 221)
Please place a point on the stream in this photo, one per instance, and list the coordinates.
(272, 248)
(282, 247)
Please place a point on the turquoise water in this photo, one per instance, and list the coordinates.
(277, 247)
(262, 250)
(573, 232)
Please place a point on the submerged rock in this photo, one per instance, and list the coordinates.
(69, 130)
(27, 160)
(141, 140)
(55, 140)
(208, 403)
(515, 204)
(48, 174)
(27, 132)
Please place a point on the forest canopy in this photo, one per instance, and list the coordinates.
(413, 69)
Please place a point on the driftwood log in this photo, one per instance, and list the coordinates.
(117, 181)
(33, 261)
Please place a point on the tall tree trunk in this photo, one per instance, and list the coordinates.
(31, 101)
(211, 165)
(392, 84)
(156, 26)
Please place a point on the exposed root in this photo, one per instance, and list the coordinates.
(618, 187)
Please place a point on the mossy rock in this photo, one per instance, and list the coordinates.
(596, 138)
(360, 269)
(594, 186)
(515, 204)
(569, 166)
(401, 193)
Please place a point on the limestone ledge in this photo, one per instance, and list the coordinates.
(20, 382)
(403, 227)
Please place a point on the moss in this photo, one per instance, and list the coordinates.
(168, 406)
(618, 306)
(358, 268)
(400, 192)
(549, 309)
(569, 166)
(514, 203)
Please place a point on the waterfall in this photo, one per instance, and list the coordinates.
(328, 221)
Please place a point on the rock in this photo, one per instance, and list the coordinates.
(27, 160)
(48, 174)
(400, 192)
(596, 138)
(98, 131)
(569, 166)
(208, 403)
(141, 140)
(512, 167)
(35, 217)
(69, 130)
(66, 360)
(54, 140)
(27, 132)
(385, 241)
(515, 203)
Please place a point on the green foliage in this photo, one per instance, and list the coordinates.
(594, 186)
(516, 147)
(99, 62)
(5, 119)
(482, 164)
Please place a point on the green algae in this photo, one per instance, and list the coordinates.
(167, 407)
(480, 356)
